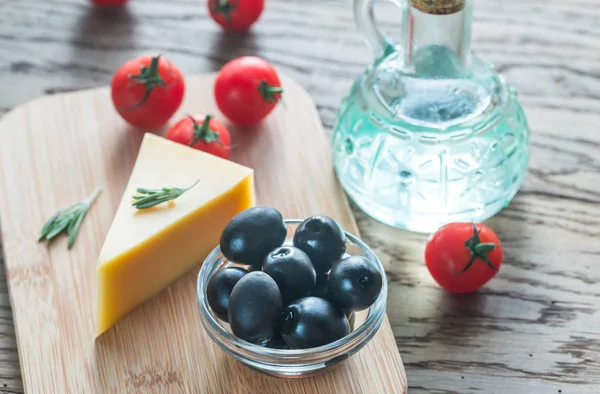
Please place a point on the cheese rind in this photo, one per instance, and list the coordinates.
(146, 250)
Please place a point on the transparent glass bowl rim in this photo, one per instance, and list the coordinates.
(373, 320)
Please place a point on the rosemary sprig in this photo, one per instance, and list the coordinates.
(147, 198)
(68, 220)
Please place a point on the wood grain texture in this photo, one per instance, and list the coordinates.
(545, 303)
(58, 155)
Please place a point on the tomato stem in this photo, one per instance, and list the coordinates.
(270, 93)
(203, 132)
(478, 250)
(150, 77)
(225, 7)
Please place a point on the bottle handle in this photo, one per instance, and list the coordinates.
(380, 44)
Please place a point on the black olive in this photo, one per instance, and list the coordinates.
(320, 289)
(252, 234)
(255, 308)
(292, 271)
(354, 284)
(219, 289)
(311, 322)
(323, 240)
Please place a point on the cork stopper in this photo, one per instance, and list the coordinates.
(439, 7)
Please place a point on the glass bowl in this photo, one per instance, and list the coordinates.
(292, 363)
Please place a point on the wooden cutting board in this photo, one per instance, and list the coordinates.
(56, 150)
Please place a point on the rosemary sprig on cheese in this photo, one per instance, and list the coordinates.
(147, 198)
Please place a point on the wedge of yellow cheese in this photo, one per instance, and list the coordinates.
(146, 250)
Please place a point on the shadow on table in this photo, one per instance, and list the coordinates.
(228, 46)
(106, 22)
(459, 318)
(100, 38)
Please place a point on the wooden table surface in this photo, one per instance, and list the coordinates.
(533, 329)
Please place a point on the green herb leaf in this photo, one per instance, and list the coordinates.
(147, 198)
(68, 220)
(146, 191)
(59, 226)
(48, 226)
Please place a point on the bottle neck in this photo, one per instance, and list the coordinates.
(438, 42)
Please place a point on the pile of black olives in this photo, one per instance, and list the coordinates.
(289, 297)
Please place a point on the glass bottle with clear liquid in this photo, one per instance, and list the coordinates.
(429, 134)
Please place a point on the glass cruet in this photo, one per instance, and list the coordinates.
(429, 134)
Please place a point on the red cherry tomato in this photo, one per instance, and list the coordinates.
(109, 2)
(204, 133)
(147, 91)
(462, 257)
(247, 89)
(235, 15)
